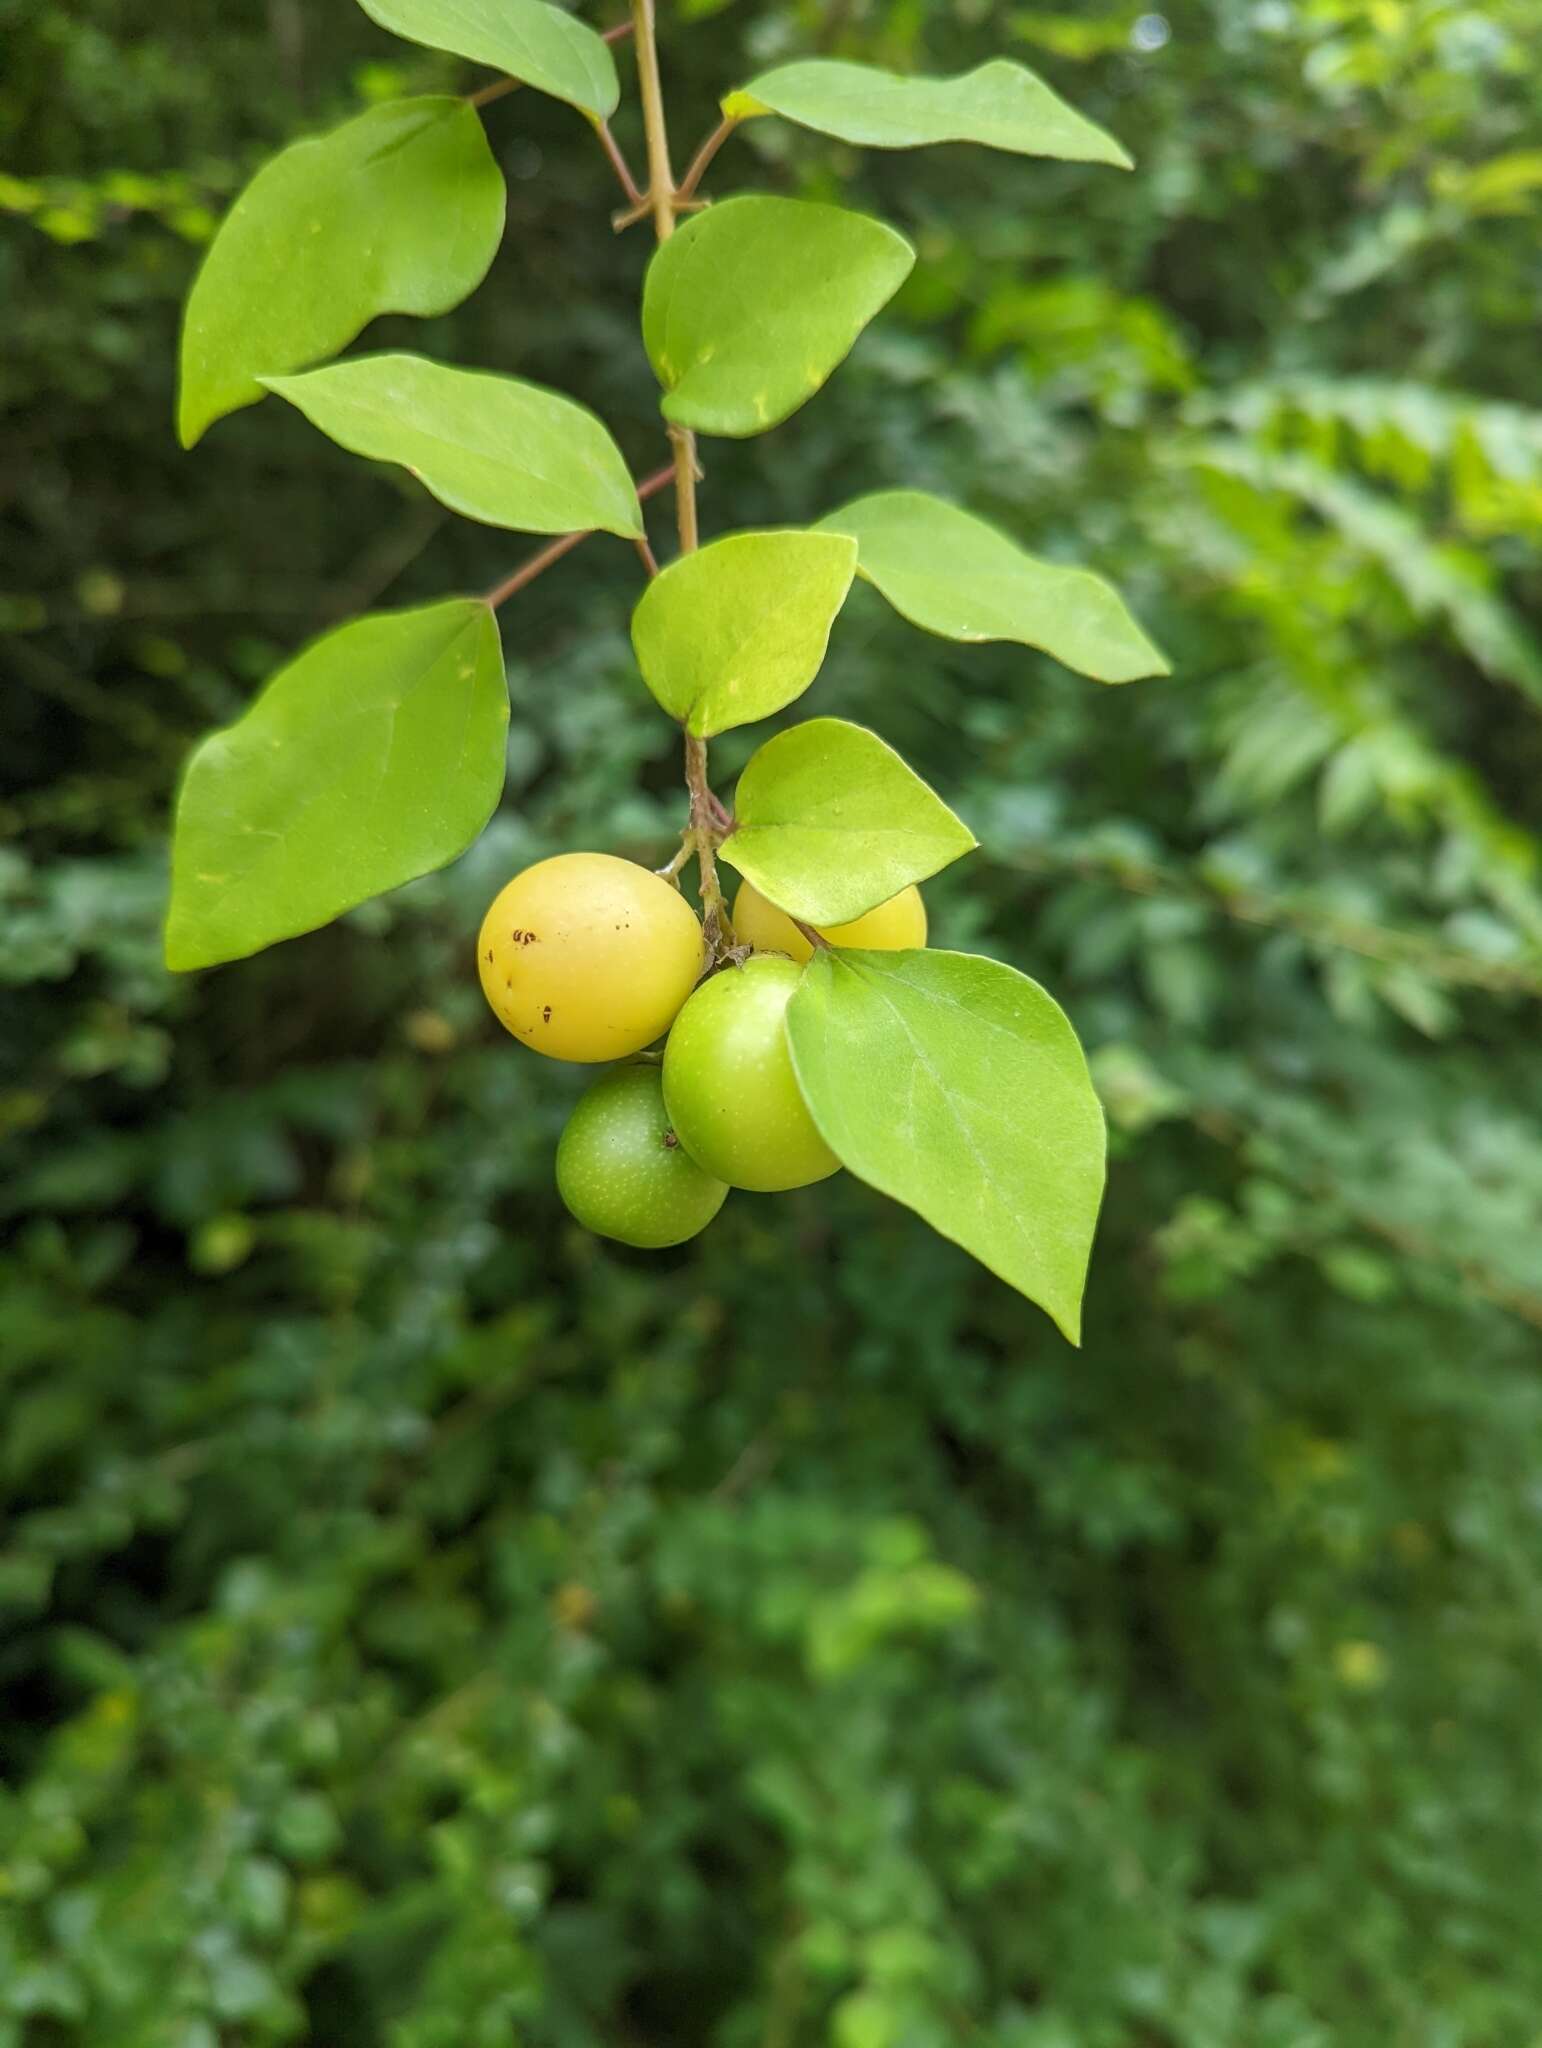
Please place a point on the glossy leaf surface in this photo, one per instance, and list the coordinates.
(738, 629)
(376, 755)
(956, 1085)
(749, 307)
(398, 211)
(542, 46)
(953, 574)
(831, 823)
(497, 449)
(1001, 105)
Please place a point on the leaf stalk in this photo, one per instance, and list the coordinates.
(703, 157)
(554, 550)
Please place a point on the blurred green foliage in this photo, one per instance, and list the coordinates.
(422, 1626)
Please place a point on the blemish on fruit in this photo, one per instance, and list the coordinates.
(546, 1014)
(523, 938)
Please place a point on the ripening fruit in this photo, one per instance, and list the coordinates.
(586, 957)
(729, 1085)
(891, 928)
(623, 1173)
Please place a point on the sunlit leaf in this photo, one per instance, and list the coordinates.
(957, 1086)
(496, 449)
(736, 630)
(830, 823)
(1000, 104)
(749, 307)
(376, 755)
(542, 46)
(951, 573)
(398, 211)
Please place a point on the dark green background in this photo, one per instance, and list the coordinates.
(421, 1624)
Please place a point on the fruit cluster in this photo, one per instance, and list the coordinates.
(809, 1025)
(589, 958)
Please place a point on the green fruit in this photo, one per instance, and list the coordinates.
(621, 1171)
(729, 1084)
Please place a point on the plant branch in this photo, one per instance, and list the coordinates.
(500, 87)
(537, 565)
(498, 90)
(715, 925)
(670, 872)
(661, 178)
(687, 474)
(543, 558)
(706, 812)
(618, 163)
(704, 156)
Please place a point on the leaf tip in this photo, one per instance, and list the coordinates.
(191, 425)
(1065, 1315)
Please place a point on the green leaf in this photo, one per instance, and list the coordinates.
(496, 449)
(1000, 104)
(749, 307)
(830, 823)
(397, 211)
(376, 755)
(542, 46)
(735, 631)
(957, 1086)
(949, 572)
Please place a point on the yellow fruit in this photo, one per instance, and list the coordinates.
(586, 957)
(893, 927)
